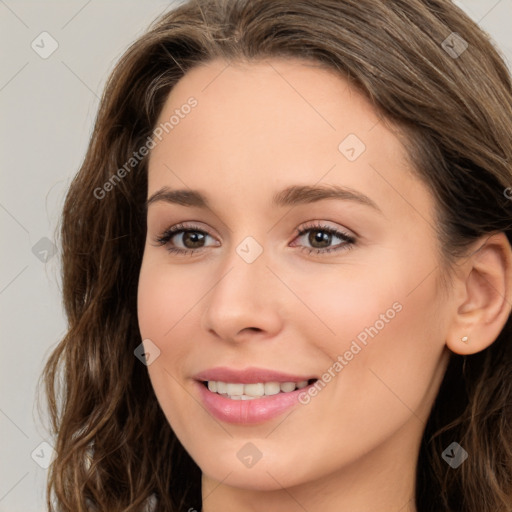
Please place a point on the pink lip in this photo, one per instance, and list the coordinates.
(249, 375)
(246, 412)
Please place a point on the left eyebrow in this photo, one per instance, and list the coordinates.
(293, 195)
(303, 194)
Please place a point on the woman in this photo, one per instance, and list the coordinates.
(287, 267)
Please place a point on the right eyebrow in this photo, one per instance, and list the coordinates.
(182, 197)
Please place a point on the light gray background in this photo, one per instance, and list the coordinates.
(47, 110)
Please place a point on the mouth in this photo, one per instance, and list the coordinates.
(254, 390)
(251, 395)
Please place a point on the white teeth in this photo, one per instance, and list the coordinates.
(257, 389)
(286, 387)
(235, 389)
(239, 391)
(272, 388)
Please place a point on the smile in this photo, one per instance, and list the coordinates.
(252, 391)
(249, 396)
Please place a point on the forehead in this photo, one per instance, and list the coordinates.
(269, 124)
(295, 97)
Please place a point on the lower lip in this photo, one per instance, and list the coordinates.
(257, 410)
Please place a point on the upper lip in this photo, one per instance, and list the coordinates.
(248, 375)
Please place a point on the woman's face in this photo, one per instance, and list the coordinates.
(273, 149)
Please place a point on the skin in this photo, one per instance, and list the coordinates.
(259, 128)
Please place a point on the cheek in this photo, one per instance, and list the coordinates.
(389, 344)
(165, 296)
(165, 303)
(385, 330)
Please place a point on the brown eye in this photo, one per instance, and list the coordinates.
(184, 239)
(192, 239)
(321, 238)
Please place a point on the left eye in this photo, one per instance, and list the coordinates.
(321, 237)
(192, 239)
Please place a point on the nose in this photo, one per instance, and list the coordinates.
(245, 301)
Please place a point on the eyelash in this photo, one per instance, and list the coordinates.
(166, 236)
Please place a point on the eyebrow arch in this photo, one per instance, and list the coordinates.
(293, 195)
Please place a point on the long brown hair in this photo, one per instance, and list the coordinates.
(114, 446)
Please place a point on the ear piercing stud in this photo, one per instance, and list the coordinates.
(464, 339)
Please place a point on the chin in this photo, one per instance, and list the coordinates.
(271, 474)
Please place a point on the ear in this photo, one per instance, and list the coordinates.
(483, 295)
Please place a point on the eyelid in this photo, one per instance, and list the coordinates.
(168, 233)
(323, 225)
(348, 239)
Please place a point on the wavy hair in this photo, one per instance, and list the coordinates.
(114, 447)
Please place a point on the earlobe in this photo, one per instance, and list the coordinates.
(485, 301)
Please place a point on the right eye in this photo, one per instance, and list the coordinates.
(192, 239)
